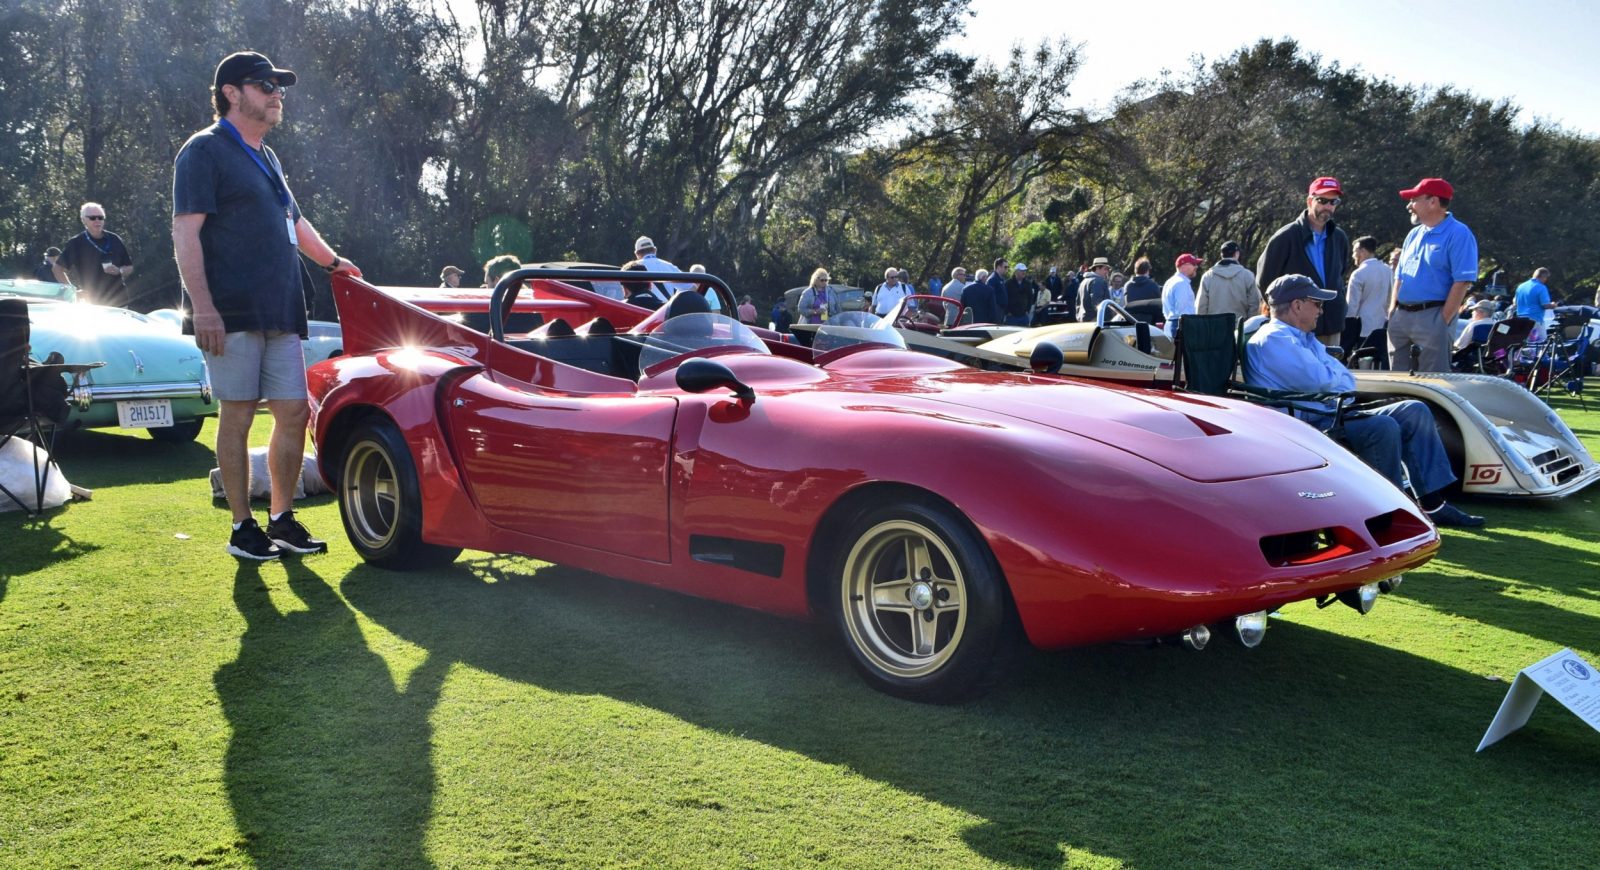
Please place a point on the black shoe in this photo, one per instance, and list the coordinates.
(248, 542)
(288, 533)
(1449, 515)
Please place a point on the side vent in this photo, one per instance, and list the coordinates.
(757, 557)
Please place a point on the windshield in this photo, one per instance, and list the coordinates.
(36, 289)
(687, 333)
(854, 328)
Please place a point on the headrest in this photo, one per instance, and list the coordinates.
(688, 302)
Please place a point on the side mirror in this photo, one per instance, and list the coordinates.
(1046, 358)
(701, 375)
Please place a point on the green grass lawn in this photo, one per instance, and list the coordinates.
(161, 704)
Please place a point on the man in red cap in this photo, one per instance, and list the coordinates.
(1438, 263)
(1177, 295)
(1313, 245)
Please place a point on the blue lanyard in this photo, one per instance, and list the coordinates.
(106, 251)
(278, 184)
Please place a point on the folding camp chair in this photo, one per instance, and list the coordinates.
(33, 398)
(1498, 355)
(1560, 360)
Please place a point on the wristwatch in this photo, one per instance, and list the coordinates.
(332, 266)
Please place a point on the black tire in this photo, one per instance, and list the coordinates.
(921, 604)
(178, 433)
(380, 500)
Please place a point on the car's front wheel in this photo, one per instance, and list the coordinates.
(921, 603)
(380, 500)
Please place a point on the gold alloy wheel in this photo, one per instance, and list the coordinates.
(904, 598)
(371, 495)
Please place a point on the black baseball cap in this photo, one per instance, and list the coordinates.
(243, 65)
(1230, 249)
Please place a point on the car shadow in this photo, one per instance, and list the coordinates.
(1247, 745)
(328, 763)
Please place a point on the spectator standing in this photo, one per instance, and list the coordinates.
(1533, 301)
(1368, 300)
(1313, 245)
(1142, 288)
(450, 276)
(1228, 287)
(1284, 355)
(46, 270)
(1021, 292)
(238, 236)
(979, 299)
(817, 303)
(1054, 283)
(747, 311)
(1438, 263)
(890, 292)
(997, 280)
(1177, 295)
(935, 286)
(1094, 289)
(957, 283)
(95, 260)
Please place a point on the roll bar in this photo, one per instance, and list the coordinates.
(505, 289)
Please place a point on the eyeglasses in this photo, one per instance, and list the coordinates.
(267, 86)
(94, 217)
(1322, 200)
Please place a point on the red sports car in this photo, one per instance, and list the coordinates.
(936, 514)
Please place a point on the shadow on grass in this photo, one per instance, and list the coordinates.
(328, 764)
(108, 459)
(31, 544)
(1318, 749)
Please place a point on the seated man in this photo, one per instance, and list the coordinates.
(1465, 356)
(1285, 355)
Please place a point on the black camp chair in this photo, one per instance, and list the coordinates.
(1211, 360)
(33, 397)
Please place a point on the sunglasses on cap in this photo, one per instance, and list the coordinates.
(267, 86)
(1323, 200)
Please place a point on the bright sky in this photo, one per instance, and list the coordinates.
(1543, 55)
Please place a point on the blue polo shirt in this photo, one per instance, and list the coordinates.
(1532, 297)
(1433, 258)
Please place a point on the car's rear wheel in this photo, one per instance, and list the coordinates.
(380, 500)
(178, 433)
(921, 603)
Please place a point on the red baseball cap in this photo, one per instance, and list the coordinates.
(1188, 259)
(1430, 187)
(1325, 184)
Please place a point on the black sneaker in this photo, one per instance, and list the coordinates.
(288, 533)
(1449, 515)
(248, 542)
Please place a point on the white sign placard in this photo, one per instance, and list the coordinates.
(1568, 678)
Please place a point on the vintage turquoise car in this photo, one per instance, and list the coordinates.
(153, 377)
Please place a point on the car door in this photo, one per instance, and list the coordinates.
(589, 470)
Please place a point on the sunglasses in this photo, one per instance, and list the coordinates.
(1324, 200)
(267, 86)
(94, 217)
(1316, 302)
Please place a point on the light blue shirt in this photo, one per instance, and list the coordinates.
(1434, 258)
(1177, 299)
(1532, 297)
(1280, 357)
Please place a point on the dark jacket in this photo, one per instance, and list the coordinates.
(1286, 255)
(1093, 290)
(1020, 295)
(1055, 285)
(998, 282)
(979, 299)
(1142, 288)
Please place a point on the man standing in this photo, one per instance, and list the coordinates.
(1369, 300)
(957, 283)
(644, 252)
(1021, 293)
(1177, 295)
(978, 297)
(238, 234)
(95, 261)
(1055, 285)
(1228, 287)
(450, 276)
(46, 270)
(1283, 355)
(1438, 263)
(1313, 245)
(1143, 288)
(997, 281)
(1533, 301)
(889, 293)
(1094, 289)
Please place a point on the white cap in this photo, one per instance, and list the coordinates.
(1020, 267)
(642, 243)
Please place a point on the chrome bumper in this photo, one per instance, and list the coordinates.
(86, 394)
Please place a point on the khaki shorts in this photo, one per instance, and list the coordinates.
(258, 365)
